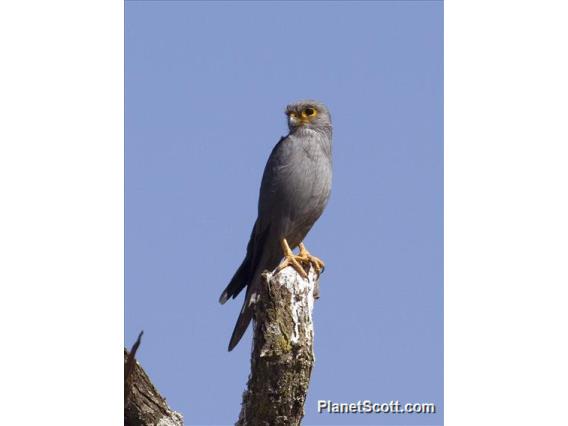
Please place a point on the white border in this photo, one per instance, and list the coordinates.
(61, 214)
(506, 205)
(61, 156)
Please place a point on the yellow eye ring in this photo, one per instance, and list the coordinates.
(309, 112)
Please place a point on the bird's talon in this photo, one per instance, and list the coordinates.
(290, 259)
(297, 261)
(316, 262)
(293, 262)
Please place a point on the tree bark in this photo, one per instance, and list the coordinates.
(143, 404)
(282, 356)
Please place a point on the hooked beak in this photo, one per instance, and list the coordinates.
(295, 121)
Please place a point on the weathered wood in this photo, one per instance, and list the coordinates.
(143, 404)
(129, 364)
(282, 356)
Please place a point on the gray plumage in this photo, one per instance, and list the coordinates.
(295, 188)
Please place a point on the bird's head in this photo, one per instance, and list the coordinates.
(308, 114)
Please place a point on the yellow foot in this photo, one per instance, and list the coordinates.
(297, 261)
(290, 259)
(316, 262)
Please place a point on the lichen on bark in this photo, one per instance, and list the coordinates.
(282, 356)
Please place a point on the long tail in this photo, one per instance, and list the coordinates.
(240, 280)
(269, 260)
(246, 277)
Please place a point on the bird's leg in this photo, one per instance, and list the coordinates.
(290, 259)
(306, 257)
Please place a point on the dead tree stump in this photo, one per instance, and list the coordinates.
(143, 404)
(282, 356)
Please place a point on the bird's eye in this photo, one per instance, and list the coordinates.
(309, 112)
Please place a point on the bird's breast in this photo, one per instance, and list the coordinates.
(308, 180)
(296, 184)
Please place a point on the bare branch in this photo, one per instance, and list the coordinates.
(143, 404)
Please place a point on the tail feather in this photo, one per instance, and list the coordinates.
(239, 281)
(242, 324)
(248, 275)
(244, 274)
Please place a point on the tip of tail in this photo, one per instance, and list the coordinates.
(231, 346)
(235, 339)
(224, 297)
(241, 326)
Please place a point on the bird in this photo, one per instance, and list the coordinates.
(294, 191)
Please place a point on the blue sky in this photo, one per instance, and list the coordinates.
(205, 89)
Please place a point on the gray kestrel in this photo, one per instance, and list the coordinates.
(295, 188)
